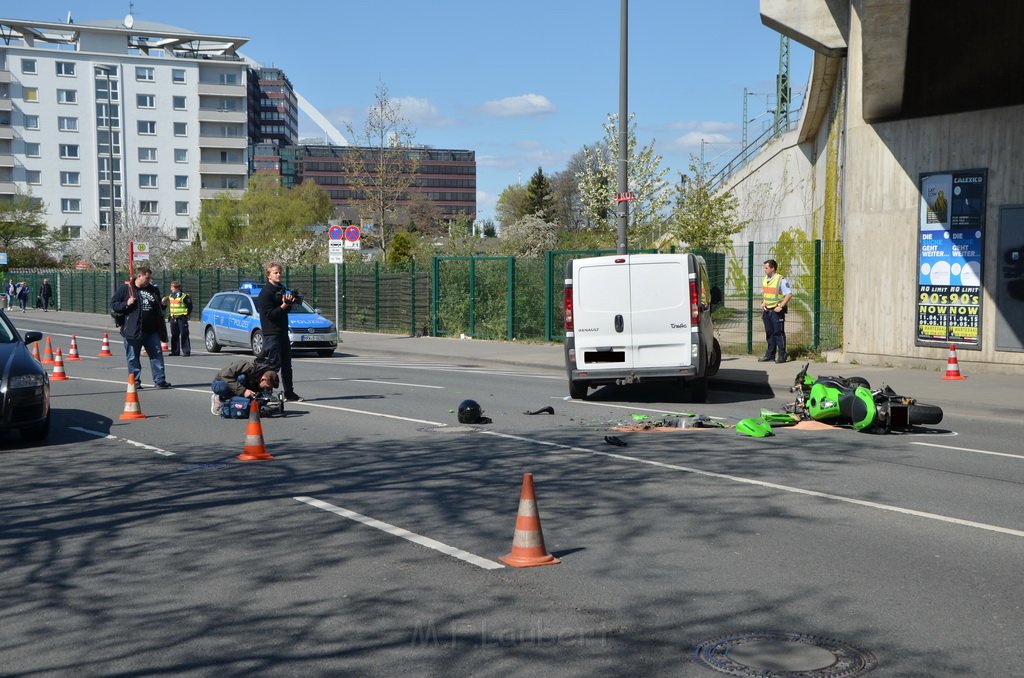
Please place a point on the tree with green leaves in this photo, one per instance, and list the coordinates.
(531, 236)
(538, 196)
(381, 171)
(703, 219)
(598, 182)
(512, 205)
(22, 225)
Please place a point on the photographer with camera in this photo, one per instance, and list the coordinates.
(243, 378)
(273, 305)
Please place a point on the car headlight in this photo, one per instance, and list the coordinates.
(26, 381)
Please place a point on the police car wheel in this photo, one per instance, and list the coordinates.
(257, 343)
(211, 341)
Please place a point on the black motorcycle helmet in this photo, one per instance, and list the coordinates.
(470, 412)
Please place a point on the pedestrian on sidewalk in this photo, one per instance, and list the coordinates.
(179, 304)
(22, 295)
(46, 294)
(775, 295)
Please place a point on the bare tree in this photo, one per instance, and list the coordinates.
(383, 168)
(130, 225)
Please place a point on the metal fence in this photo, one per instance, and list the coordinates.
(506, 297)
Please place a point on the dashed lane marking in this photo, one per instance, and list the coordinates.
(403, 533)
(968, 449)
(107, 436)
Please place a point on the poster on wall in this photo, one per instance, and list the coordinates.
(950, 246)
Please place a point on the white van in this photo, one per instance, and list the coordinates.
(640, 317)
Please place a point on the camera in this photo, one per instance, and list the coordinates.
(271, 404)
(296, 294)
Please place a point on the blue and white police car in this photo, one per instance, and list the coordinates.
(231, 319)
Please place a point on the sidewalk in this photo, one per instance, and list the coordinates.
(999, 394)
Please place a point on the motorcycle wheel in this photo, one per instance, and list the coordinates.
(920, 414)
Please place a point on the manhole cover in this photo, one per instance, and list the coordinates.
(769, 654)
(448, 429)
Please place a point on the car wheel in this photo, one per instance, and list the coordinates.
(211, 341)
(325, 353)
(37, 433)
(257, 343)
(578, 390)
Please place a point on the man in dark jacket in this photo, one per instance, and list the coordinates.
(241, 379)
(46, 294)
(273, 305)
(139, 302)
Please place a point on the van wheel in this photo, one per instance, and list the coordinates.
(716, 358)
(698, 390)
(211, 341)
(578, 390)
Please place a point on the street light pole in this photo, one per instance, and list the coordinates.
(623, 168)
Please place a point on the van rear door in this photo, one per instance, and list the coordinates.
(601, 313)
(660, 302)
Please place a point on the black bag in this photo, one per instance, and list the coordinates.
(119, 318)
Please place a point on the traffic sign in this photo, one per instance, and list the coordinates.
(336, 251)
(334, 232)
(352, 234)
(140, 251)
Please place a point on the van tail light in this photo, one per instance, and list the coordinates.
(567, 298)
(694, 305)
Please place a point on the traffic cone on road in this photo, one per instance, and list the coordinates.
(132, 409)
(48, 353)
(35, 351)
(73, 350)
(58, 368)
(952, 366)
(528, 540)
(254, 449)
(105, 347)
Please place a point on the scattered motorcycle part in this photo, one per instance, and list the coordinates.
(754, 427)
(616, 441)
(543, 410)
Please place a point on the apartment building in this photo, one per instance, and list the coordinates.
(99, 120)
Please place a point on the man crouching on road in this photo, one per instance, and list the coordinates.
(243, 378)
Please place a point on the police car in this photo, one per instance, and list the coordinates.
(232, 319)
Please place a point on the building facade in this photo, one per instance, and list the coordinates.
(103, 119)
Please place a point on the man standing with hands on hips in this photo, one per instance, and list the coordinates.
(776, 293)
(273, 305)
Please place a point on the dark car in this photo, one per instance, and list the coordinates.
(24, 385)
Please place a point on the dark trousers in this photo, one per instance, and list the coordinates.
(46, 303)
(774, 334)
(277, 351)
(179, 336)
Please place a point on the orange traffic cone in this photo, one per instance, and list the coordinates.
(952, 366)
(58, 368)
(105, 347)
(528, 540)
(35, 351)
(254, 449)
(48, 352)
(73, 350)
(132, 410)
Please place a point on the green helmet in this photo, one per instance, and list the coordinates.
(755, 428)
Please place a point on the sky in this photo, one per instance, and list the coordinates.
(524, 84)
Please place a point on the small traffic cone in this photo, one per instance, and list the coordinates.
(952, 366)
(73, 350)
(132, 410)
(254, 449)
(164, 346)
(58, 368)
(48, 353)
(105, 347)
(35, 351)
(528, 540)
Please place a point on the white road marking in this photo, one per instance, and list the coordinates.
(968, 449)
(774, 486)
(107, 436)
(389, 383)
(403, 533)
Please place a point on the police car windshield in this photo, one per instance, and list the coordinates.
(301, 308)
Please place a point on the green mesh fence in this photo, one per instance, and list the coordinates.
(508, 297)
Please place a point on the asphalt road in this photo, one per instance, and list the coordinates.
(145, 547)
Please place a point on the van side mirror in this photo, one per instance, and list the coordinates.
(716, 296)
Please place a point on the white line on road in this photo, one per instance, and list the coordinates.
(389, 383)
(107, 436)
(968, 449)
(403, 533)
(774, 486)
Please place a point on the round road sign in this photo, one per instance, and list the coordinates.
(334, 232)
(352, 233)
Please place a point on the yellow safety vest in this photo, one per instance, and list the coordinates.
(177, 304)
(771, 291)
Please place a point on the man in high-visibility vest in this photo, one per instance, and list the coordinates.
(180, 305)
(776, 293)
